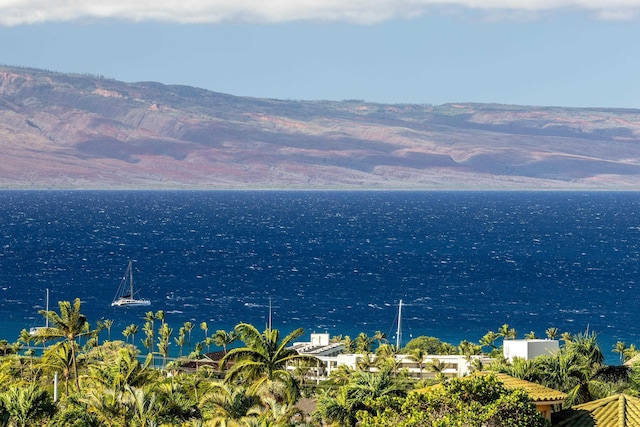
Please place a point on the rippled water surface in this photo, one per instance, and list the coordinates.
(462, 262)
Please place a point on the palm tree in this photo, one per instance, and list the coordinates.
(163, 342)
(380, 338)
(363, 343)
(619, 348)
(120, 370)
(134, 331)
(226, 405)
(367, 385)
(205, 328)
(530, 336)
(437, 367)
(506, 332)
(127, 333)
(339, 409)
(26, 405)
(630, 351)
(188, 326)
(26, 338)
(223, 338)
(108, 323)
(587, 345)
(417, 355)
(59, 359)
(146, 407)
(503, 331)
(69, 324)
(264, 357)
(341, 375)
(148, 332)
(279, 415)
(467, 348)
(364, 362)
(551, 333)
(160, 315)
(180, 339)
(489, 340)
(566, 337)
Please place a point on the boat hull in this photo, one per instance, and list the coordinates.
(125, 302)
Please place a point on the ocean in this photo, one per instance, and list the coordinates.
(463, 263)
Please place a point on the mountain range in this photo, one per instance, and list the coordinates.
(71, 131)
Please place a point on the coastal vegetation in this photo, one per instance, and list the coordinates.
(68, 375)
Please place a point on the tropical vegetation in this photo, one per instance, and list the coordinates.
(69, 375)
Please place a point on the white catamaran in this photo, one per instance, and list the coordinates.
(125, 295)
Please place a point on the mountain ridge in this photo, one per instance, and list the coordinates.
(71, 131)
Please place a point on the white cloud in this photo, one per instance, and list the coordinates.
(17, 12)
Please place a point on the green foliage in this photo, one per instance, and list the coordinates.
(25, 405)
(474, 402)
(430, 345)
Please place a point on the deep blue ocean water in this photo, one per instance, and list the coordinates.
(462, 262)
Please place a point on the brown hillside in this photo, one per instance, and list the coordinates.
(77, 131)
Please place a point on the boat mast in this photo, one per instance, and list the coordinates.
(130, 280)
(399, 331)
(46, 322)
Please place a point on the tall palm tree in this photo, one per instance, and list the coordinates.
(264, 357)
(164, 339)
(180, 339)
(134, 330)
(188, 327)
(149, 324)
(108, 323)
(205, 327)
(148, 333)
(69, 324)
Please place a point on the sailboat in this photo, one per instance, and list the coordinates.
(126, 297)
(35, 330)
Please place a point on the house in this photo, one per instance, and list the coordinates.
(529, 349)
(545, 399)
(330, 356)
(620, 410)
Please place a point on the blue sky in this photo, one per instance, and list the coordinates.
(582, 53)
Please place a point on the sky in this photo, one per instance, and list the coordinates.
(571, 53)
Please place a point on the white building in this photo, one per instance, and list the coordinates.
(528, 349)
(330, 357)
